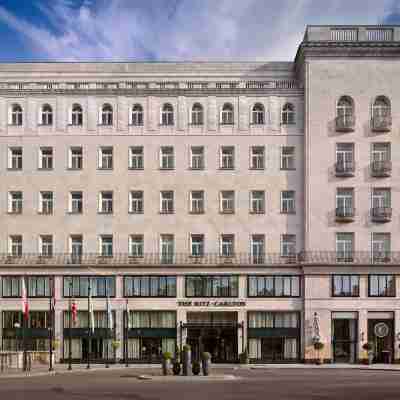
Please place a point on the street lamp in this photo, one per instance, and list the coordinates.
(51, 323)
(89, 324)
(70, 326)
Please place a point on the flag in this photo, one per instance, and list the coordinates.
(91, 314)
(109, 314)
(24, 298)
(74, 311)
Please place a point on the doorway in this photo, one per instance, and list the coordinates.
(344, 340)
(381, 335)
(94, 346)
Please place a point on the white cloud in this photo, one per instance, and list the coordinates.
(185, 29)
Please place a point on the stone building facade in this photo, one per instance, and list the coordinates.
(231, 206)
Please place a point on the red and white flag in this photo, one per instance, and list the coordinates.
(74, 311)
(24, 298)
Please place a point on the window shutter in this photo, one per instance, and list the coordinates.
(10, 114)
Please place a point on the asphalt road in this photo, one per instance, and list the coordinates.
(277, 384)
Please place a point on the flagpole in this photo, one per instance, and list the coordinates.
(126, 329)
(51, 307)
(25, 317)
(89, 325)
(108, 323)
(70, 326)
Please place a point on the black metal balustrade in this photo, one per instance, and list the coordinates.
(345, 168)
(345, 123)
(381, 214)
(345, 214)
(381, 169)
(381, 123)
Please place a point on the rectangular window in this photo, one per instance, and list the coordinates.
(46, 158)
(344, 202)
(167, 158)
(76, 202)
(166, 202)
(15, 245)
(106, 158)
(227, 245)
(152, 319)
(197, 157)
(15, 202)
(37, 286)
(227, 157)
(344, 246)
(257, 202)
(212, 286)
(271, 319)
(382, 286)
(136, 157)
(167, 248)
(345, 285)
(106, 202)
(227, 202)
(258, 249)
(136, 202)
(100, 286)
(11, 286)
(381, 152)
(136, 245)
(381, 199)
(257, 157)
(344, 157)
(197, 245)
(46, 245)
(150, 286)
(15, 158)
(273, 286)
(197, 201)
(76, 245)
(288, 158)
(106, 245)
(46, 203)
(75, 158)
(381, 247)
(288, 245)
(288, 204)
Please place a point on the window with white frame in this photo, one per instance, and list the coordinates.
(344, 202)
(15, 158)
(345, 111)
(167, 114)
(257, 157)
(197, 201)
(381, 246)
(288, 158)
(381, 199)
(288, 245)
(106, 202)
(227, 248)
(381, 152)
(344, 246)
(288, 205)
(15, 116)
(76, 245)
(75, 157)
(106, 158)
(197, 114)
(136, 245)
(46, 202)
(381, 107)
(227, 159)
(197, 157)
(46, 117)
(15, 245)
(258, 248)
(46, 158)
(136, 202)
(76, 115)
(76, 202)
(344, 156)
(227, 201)
(106, 245)
(257, 114)
(288, 114)
(257, 201)
(107, 115)
(46, 245)
(196, 245)
(166, 202)
(136, 157)
(137, 115)
(227, 114)
(167, 157)
(167, 249)
(15, 199)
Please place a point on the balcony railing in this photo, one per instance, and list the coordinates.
(345, 214)
(381, 169)
(344, 169)
(381, 214)
(350, 257)
(381, 123)
(345, 123)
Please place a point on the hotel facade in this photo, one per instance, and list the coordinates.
(232, 206)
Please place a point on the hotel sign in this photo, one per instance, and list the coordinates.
(212, 303)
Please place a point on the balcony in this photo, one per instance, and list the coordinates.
(345, 123)
(381, 169)
(345, 169)
(381, 214)
(344, 257)
(381, 257)
(345, 214)
(381, 123)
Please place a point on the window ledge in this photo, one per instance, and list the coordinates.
(74, 213)
(44, 213)
(288, 212)
(226, 169)
(167, 212)
(196, 212)
(14, 213)
(136, 125)
(166, 169)
(74, 169)
(226, 123)
(135, 169)
(257, 212)
(105, 169)
(106, 125)
(288, 169)
(136, 212)
(45, 169)
(166, 125)
(256, 169)
(227, 212)
(196, 169)
(104, 213)
(75, 125)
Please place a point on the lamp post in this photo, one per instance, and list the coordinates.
(51, 323)
(17, 325)
(108, 324)
(89, 325)
(70, 326)
(126, 331)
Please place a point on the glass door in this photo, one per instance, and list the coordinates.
(344, 340)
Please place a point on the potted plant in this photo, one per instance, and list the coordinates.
(318, 346)
(186, 361)
(166, 362)
(115, 346)
(176, 367)
(195, 367)
(205, 362)
(369, 349)
(56, 344)
(244, 357)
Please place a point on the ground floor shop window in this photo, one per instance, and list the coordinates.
(273, 349)
(32, 344)
(150, 349)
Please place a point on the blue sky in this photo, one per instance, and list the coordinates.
(263, 30)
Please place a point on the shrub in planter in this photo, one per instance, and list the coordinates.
(166, 362)
(369, 349)
(244, 357)
(196, 368)
(205, 362)
(318, 346)
(176, 368)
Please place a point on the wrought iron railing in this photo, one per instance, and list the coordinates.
(345, 123)
(345, 168)
(381, 123)
(381, 168)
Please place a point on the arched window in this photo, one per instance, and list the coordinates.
(288, 114)
(47, 115)
(345, 112)
(137, 115)
(197, 114)
(257, 114)
(106, 115)
(227, 114)
(167, 115)
(16, 115)
(76, 115)
(381, 107)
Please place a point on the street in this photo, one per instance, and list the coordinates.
(276, 384)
